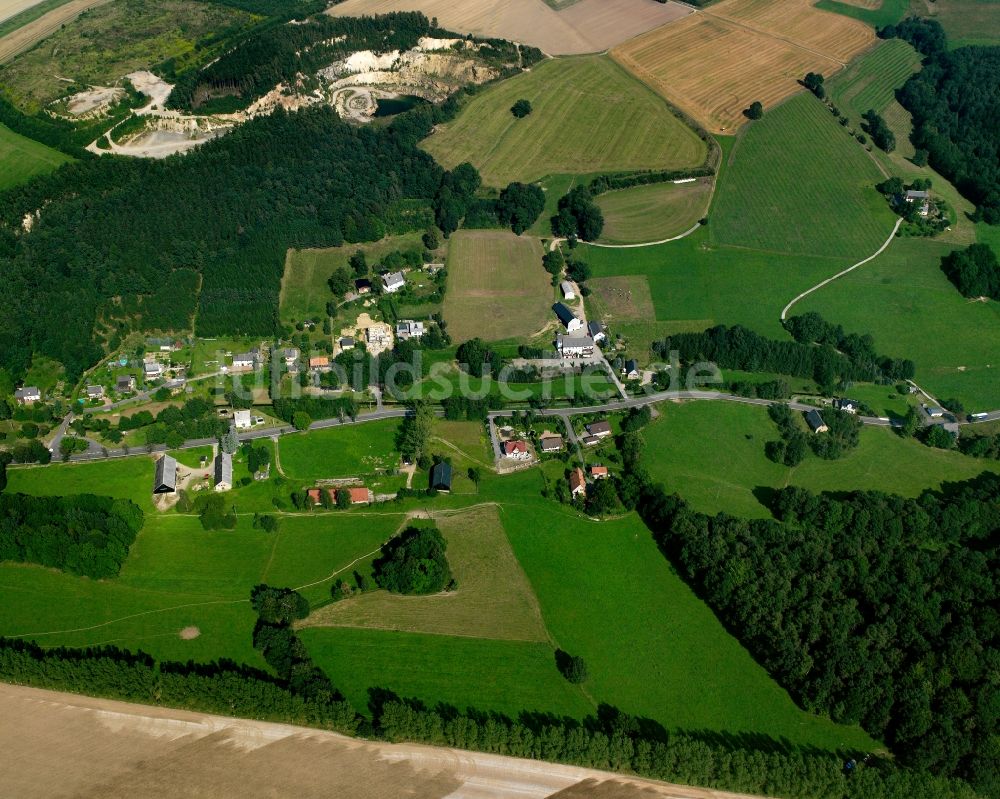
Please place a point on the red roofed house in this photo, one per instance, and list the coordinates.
(314, 496)
(360, 495)
(599, 472)
(516, 449)
(577, 483)
(320, 363)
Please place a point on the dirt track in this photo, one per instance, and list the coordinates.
(59, 744)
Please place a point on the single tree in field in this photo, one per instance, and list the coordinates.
(572, 667)
(521, 108)
(755, 111)
(813, 81)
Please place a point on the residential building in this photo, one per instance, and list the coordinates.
(95, 392)
(319, 363)
(597, 331)
(165, 476)
(630, 371)
(934, 411)
(441, 476)
(574, 346)
(291, 356)
(517, 450)
(378, 334)
(243, 362)
(362, 286)
(577, 482)
(922, 199)
(152, 369)
(567, 290)
(242, 420)
(600, 429)
(551, 443)
(569, 320)
(125, 384)
(359, 495)
(599, 472)
(223, 471)
(315, 496)
(346, 343)
(847, 405)
(590, 441)
(27, 395)
(815, 421)
(393, 281)
(407, 328)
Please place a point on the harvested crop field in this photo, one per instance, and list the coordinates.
(10, 8)
(497, 288)
(715, 63)
(587, 26)
(61, 744)
(589, 115)
(27, 36)
(493, 598)
(654, 212)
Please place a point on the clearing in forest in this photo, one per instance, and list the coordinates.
(497, 287)
(21, 158)
(493, 598)
(586, 26)
(716, 62)
(588, 115)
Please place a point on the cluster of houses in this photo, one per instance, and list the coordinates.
(578, 340)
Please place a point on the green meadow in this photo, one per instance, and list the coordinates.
(678, 454)
(22, 159)
(348, 451)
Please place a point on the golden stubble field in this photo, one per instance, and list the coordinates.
(587, 26)
(29, 35)
(716, 62)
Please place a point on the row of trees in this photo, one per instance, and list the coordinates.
(609, 740)
(82, 534)
(820, 351)
(872, 608)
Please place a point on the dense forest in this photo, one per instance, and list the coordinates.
(821, 351)
(228, 210)
(954, 101)
(974, 271)
(872, 608)
(82, 534)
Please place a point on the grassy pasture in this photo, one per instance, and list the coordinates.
(798, 183)
(503, 676)
(304, 290)
(497, 288)
(713, 64)
(871, 81)
(133, 35)
(22, 158)
(589, 115)
(676, 454)
(654, 212)
(493, 598)
(652, 648)
(904, 300)
(347, 451)
(966, 22)
(875, 14)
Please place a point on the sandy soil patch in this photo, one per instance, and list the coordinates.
(29, 35)
(153, 86)
(189, 633)
(96, 100)
(59, 744)
(714, 63)
(587, 26)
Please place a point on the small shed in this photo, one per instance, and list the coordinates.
(815, 421)
(567, 290)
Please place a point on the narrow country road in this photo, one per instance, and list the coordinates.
(820, 285)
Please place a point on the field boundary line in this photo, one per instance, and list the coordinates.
(646, 243)
(874, 255)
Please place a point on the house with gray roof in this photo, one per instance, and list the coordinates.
(569, 320)
(27, 395)
(223, 471)
(165, 476)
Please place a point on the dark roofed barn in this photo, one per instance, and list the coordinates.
(165, 476)
(441, 476)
